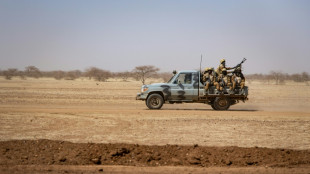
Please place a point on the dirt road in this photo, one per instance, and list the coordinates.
(168, 126)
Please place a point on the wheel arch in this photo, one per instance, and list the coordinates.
(156, 92)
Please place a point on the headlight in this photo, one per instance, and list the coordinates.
(144, 88)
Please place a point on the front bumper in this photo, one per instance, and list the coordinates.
(141, 96)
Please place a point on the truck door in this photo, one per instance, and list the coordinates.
(182, 87)
(197, 79)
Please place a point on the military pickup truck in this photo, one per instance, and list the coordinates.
(185, 87)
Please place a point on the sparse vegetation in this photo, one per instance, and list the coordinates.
(144, 72)
(97, 73)
(123, 75)
(72, 75)
(32, 71)
(8, 74)
(279, 78)
(165, 76)
(58, 74)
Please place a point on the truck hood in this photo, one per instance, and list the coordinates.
(157, 84)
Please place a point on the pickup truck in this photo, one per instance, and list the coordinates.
(185, 87)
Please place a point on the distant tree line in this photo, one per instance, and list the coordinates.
(139, 73)
(279, 78)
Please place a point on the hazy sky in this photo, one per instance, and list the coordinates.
(118, 35)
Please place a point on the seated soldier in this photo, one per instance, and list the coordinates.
(208, 78)
(238, 80)
(188, 79)
(223, 80)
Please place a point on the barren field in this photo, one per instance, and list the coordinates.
(52, 125)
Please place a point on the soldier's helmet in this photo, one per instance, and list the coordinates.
(222, 60)
(207, 69)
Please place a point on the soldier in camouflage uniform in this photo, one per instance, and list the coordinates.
(223, 80)
(222, 66)
(237, 79)
(208, 78)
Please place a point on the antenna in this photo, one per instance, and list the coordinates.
(199, 75)
(200, 62)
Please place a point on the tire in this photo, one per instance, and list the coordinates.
(154, 101)
(212, 106)
(221, 103)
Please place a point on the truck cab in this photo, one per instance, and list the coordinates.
(186, 86)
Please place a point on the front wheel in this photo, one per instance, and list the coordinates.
(221, 103)
(154, 101)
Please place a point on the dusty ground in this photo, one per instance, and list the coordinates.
(85, 111)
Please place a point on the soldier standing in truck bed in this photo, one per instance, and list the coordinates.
(222, 66)
(208, 78)
(238, 80)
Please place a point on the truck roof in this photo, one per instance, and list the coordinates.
(190, 71)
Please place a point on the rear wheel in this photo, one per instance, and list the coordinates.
(154, 101)
(213, 107)
(221, 103)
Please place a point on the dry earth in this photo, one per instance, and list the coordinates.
(85, 111)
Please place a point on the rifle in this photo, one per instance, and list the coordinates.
(244, 59)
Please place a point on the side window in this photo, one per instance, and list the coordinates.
(184, 78)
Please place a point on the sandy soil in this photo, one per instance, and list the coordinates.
(56, 169)
(85, 111)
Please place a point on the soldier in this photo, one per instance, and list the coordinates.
(223, 80)
(208, 78)
(188, 79)
(238, 80)
(222, 66)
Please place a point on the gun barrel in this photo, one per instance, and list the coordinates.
(244, 59)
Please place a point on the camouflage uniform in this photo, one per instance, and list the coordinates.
(222, 66)
(238, 79)
(208, 78)
(223, 80)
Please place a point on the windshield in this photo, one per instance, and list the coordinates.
(169, 81)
